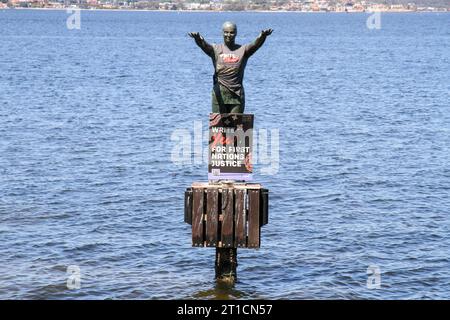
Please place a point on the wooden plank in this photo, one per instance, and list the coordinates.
(227, 218)
(220, 185)
(212, 217)
(240, 234)
(197, 217)
(188, 206)
(264, 207)
(253, 219)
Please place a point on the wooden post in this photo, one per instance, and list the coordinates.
(226, 256)
(226, 265)
(226, 216)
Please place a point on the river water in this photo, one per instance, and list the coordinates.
(87, 179)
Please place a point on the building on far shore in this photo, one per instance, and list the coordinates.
(229, 5)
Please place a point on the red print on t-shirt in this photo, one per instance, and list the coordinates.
(229, 58)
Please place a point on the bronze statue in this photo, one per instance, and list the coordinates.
(229, 61)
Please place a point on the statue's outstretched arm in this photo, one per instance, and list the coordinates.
(259, 41)
(201, 42)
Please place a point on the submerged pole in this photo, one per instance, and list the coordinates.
(226, 265)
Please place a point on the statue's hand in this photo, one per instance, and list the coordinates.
(195, 35)
(267, 32)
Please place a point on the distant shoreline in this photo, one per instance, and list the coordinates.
(223, 11)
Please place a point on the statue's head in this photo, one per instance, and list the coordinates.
(229, 33)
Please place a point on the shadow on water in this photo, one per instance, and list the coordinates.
(222, 291)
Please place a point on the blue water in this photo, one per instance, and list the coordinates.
(86, 177)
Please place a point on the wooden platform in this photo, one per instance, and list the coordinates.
(226, 215)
